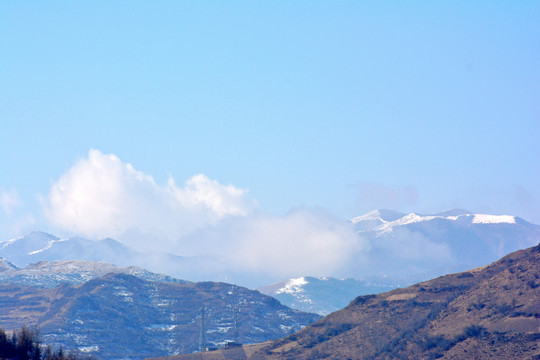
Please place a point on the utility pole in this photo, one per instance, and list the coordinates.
(236, 331)
(202, 336)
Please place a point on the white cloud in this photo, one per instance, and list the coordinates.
(9, 200)
(100, 196)
(303, 242)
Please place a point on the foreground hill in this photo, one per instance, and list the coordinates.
(491, 312)
(123, 316)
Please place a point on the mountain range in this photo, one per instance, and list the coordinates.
(407, 248)
(491, 312)
(398, 250)
(413, 247)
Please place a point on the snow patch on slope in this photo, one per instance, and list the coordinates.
(49, 245)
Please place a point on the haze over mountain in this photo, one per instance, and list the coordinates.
(390, 248)
(40, 246)
(415, 246)
(410, 247)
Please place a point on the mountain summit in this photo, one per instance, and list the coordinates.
(419, 246)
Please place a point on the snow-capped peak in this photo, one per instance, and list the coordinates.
(293, 286)
(385, 220)
(383, 215)
(476, 219)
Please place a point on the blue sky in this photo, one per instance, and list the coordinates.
(339, 106)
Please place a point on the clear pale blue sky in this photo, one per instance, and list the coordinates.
(344, 105)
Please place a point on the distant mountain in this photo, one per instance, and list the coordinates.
(492, 312)
(51, 274)
(6, 265)
(321, 295)
(376, 218)
(406, 248)
(393, 249)
(121, 316)
(414, 247)
(40, 246)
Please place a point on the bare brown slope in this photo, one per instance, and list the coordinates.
(486, 313)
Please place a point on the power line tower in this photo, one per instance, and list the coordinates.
(236, 335)
(202, 336)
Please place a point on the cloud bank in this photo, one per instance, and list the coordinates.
(101, 196)
(304, 241)
(220, 230)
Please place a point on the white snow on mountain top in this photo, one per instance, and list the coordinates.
(293, 286)
(381, 214)
(493, 219)
(382, 219)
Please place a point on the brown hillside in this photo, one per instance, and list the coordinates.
(491, 312)
(122, 316)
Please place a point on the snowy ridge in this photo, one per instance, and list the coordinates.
(493, 219)
(414, 247)
(293, 286)
(49, 245)
(51, 274)
(381, 220)
(382, 215)
(6, 243)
